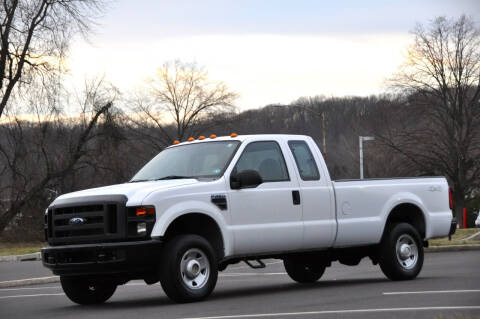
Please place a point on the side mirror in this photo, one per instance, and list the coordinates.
(245, 179)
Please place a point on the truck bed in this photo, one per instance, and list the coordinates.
(365, 204)
(383, 178)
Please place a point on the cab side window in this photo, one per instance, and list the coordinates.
(307, 167)
(266, 158)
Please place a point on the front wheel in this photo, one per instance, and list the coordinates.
(401, 252)
(80, 290)
(303, 271)
(189, 268)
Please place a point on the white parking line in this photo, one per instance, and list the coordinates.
(239, 274)
(323, 312)
(430, 292)
(29, 288)
(25, 296)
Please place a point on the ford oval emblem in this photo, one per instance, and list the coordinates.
(77, 221)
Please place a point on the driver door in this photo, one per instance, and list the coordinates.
(267, 218)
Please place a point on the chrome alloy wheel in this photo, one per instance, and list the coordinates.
(194, 268)
(407, 251)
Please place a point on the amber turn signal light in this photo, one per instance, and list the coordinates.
(145, 211)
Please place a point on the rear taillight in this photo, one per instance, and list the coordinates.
(450, 198)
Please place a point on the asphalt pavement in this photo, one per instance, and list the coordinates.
(447, 287)
(16, 270)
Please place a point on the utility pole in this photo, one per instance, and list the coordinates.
(360, 142)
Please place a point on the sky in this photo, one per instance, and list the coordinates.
(267, 51)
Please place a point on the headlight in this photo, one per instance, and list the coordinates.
(141, 220)
(145, 211)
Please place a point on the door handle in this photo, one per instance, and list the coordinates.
(296, 197)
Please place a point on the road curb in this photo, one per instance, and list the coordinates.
(29, 281)
(26, 257)
(437, 249)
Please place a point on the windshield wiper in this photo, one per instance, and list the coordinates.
(161, 178)
(172, 177)
(139, 180)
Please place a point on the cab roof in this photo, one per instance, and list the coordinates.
(242, 138)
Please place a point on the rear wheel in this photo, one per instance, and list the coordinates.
(401, 252)
(189, 268)
(303, 271)
(84, 292)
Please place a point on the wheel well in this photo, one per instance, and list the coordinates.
(198, 224)
(408, 213)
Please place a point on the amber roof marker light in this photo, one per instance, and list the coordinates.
(213, 136)
(233, 135)
(176, 142)
(201, 137)
(190, 139)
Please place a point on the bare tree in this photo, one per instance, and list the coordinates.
(438, 127)
(34, 37)
(47, 146)
(181, 94)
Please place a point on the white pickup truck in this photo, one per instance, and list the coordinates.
(204, 204)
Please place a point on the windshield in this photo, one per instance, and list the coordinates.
(189, 161)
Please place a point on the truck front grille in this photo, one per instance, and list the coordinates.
(92, 222)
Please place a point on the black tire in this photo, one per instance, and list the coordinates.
(303, 271)
(80, 290)
(177, 283)
(398, 265)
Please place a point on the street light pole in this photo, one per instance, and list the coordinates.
(324, 133)
(360, 142)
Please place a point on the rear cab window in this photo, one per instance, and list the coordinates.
(306, 165)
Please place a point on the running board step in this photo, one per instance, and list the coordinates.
(259, 264)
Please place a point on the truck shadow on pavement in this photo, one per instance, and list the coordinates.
(282, 288)
(224, 293)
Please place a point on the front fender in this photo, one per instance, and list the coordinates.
(164, 219)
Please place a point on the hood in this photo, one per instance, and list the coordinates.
(135, 192)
